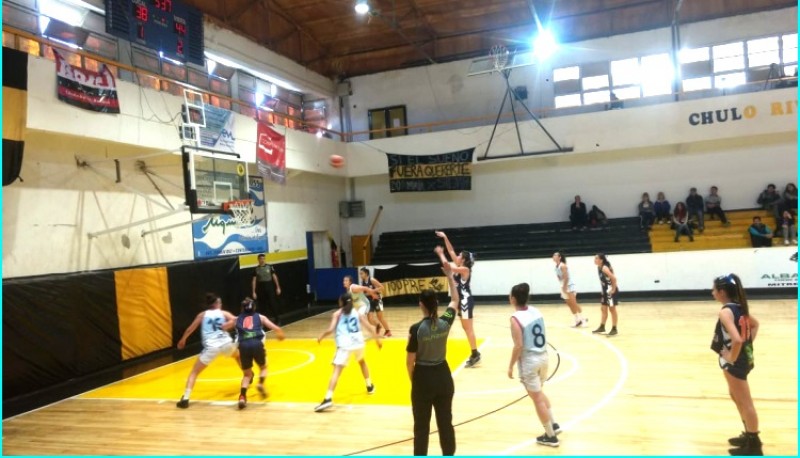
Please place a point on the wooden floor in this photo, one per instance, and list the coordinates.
(655, 389)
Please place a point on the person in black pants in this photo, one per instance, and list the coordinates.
(431, 381)
(577, 214)
(266, 289)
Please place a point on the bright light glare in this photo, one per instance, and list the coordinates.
(44, 21)
(319, 133)
(544, 45)
(273, 90)
(362, 7)
(69, 14)
(212, 64)
(260, 98)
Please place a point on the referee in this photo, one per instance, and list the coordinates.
(431, 381)
(266, 289)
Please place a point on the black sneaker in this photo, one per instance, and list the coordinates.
(551, 441)
(242, 401)
(183, 403)
(325, 404)
(613, 332)
(371, 389)
(737, 441)
(262, 391)
(378, 329)
(751, 446)
(473, 360)
(556, 429)
(601, 329)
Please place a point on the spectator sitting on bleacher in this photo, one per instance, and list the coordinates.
(663, 208)
(769, 199)
(760, 235)
(787, 223)
(790, 198)
(695, 207)
(647, 213)
(577, 214)
(714, 206)
(680, 221)
(597, 218)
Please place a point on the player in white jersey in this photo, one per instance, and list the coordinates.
(216, 341)
(359, 294)
(568, 289)
(347, 324)
(530, 357)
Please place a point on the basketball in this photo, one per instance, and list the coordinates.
(336, 161)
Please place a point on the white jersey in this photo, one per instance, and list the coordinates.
(211, 330)
(348, 331)
(534, 336)
(560, 275)
(360, 301)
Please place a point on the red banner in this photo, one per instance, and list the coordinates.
(271, 154)
(87, 89)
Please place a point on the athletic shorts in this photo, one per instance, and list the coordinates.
(533, 370)
(252, 350)
(363, 309)
(570, 289)
(210, 353)
(738, 371)
(465, 311)
(611, 301)
(343, 354)
(375, 305)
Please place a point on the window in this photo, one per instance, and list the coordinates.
(762, 52)
(29, 46)
(567, 73)
(594, 97)
(595, 82)
(220, 86)
(657, 75)
(101, 45)
(177, 72)
(147, 60)
(728, 57)
(729, 80)
(569, 100)
(630, 92)
(697, 84)
(625, 72)
(386, 118)
(789, 50)
(689, 55)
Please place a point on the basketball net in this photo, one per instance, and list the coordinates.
(500, 56)
(241, 211)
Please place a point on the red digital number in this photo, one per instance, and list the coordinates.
(180, 47)
(163, 5)
(180, 29)
(140, 11)
(140, 31)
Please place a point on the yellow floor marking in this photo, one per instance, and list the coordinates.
(299, 371)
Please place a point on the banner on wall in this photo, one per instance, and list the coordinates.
(220, 235)
(437, 172)
(271, 154)
(775, 268)
(406, 280)
(87, 89)
(218, 132)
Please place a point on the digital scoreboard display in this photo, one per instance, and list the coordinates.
(167, 26)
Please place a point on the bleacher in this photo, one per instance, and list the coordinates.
(715, 236)
(514, 241)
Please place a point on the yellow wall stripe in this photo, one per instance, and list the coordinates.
(15, 103)
(251, 260)
(145, 318)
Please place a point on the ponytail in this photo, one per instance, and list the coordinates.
(605, 261)
(346, 303)
(732, 285)
(428, 300)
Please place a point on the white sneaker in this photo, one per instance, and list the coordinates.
(785, 242)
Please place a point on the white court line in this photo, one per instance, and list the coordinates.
(560, 378)
(592, 410)
(311, 359)
(461, 366)
(293, 404)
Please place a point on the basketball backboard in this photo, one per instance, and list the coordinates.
(212, 178)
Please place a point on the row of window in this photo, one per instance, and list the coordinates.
(709, 67)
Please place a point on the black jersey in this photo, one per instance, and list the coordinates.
(605, 280)
(463, 286)
(722, 339)
(249, 327)
(368, 284)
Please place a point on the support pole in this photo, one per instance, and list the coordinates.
(136, 223)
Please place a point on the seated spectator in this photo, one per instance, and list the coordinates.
(769, 198)
(647, 213)
(680, 221)
(790, 198)
(695, 207)
(787, 224)
(597, 218)
(577, 214)
(615, 103)
(760, 235)
(663, 208)
(714, 206)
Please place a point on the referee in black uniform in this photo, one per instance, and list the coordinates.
(431, 381)
(266, 289)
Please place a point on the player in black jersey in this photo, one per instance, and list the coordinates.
(608, 294)
(462, 273)
(734, 334)
(375, 313)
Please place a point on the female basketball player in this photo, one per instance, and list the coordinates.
(375, 315)
(733, 340)
(349, 341)
(250, 331)
(426, 360)
(462, 272)
(359, 294)
(530, 356)
(608, 294)
(568, 289)
(216, 341)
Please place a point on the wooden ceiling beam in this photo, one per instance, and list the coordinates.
(279, 11)
(233, 17)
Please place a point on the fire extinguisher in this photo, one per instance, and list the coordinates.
(334, 254)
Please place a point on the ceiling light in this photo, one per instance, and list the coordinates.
(212, 64)
(362, 7)
(70, 14)
(544, 45)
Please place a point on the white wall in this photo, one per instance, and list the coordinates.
(443, 91)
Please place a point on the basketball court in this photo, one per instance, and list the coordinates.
(654, 389)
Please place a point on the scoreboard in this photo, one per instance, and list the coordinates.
(167, 26)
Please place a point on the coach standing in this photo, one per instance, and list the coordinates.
(266, 289)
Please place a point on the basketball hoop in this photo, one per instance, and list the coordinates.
(500, 56)
(241, 210)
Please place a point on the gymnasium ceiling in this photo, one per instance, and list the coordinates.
(327, 36)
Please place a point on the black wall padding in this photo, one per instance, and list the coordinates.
(57, 328)
(188, 283)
